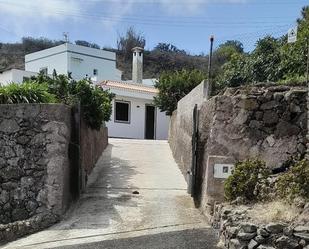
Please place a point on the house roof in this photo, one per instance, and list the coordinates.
(132, 87)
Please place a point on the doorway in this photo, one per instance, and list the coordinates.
(150, 127)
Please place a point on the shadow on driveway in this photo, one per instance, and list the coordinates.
(186, 239)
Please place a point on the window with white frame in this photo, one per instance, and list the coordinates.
(122, 111)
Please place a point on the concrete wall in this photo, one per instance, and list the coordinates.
(136, 127)
(182, 123)
(265, 122)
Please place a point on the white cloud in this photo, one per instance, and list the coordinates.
(39, 8)
(22, 16)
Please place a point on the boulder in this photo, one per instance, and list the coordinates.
(253, 244)
(245, 236)
(285, 242)
(248, 228)
(275, 228)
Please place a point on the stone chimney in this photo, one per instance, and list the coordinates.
(137, 65)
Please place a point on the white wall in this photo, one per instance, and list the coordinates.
(14, 75)
(51, 58)
(162, 125)
(136, 127)
(79, 60)
(82, 65)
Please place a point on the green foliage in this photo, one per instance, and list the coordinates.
(25, 93)
(173, 86)
(59, 85)
(243, 181)
(295, 182)
(87, 44)
(96, 103)
(272, 60)
(236, 71)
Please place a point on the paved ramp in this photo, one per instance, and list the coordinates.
(136, 198)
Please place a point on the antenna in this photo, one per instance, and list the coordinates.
(66, 36)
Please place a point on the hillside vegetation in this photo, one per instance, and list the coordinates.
(163, 57)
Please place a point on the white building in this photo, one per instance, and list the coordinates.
(67, 58)
(134, 114)
(15, 75)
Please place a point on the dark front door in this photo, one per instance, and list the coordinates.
(150, 122)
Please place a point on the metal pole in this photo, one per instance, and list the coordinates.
(307, 80)
(210, 64)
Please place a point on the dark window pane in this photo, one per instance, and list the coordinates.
(122, 111)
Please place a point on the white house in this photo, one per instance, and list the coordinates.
(15, 75)
(134, 114)
(67, 58)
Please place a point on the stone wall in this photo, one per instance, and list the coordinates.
(34, 161)
(92, 144)
(43, 150)
(237, 230)
(268, 122)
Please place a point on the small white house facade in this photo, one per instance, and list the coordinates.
(134, 113)
(79, 61)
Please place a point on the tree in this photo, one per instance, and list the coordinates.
(173, 86)
(235, 72)
(130, 40)
(266, 59)
(87, 44)
(31, 44)
(294, 56)
(169, 48)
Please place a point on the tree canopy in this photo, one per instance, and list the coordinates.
(173, 86)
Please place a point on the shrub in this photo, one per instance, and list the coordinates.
(95, 102)
(173, 86)
(243, 181)
(25, 93)
(295, 182)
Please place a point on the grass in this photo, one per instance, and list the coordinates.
(276, 211)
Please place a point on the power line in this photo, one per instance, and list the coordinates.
(147, 21)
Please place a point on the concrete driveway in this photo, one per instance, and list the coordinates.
(136, 198)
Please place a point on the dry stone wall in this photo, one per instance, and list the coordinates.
(34, 159)
(238, 231)
(265, 121)
(46, 153)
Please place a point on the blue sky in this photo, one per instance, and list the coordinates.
(184, 23)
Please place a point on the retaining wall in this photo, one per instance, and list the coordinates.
(43, 152)
(268, 122)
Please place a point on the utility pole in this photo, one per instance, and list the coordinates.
(208, 85)
(307, 77)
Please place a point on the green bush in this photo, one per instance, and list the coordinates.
(244, 179)
(295, 182)
(95, 102)
(28, 92)
(173, 86)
